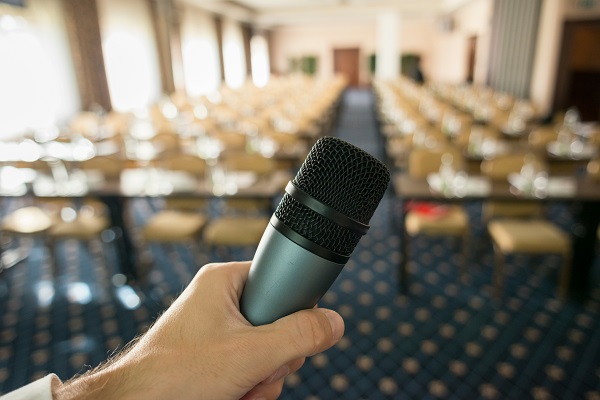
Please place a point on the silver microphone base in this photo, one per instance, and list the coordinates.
(284, 278)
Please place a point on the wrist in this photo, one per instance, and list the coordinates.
(121, 379)
(102, 384)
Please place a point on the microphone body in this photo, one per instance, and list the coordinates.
(314, 230)
(284, 278)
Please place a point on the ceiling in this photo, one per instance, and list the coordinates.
(273, 13)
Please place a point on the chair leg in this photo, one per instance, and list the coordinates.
(99, 252)
(498, 276)
(465, 261)
(200, 252)
(51, 244)
(2, 250)
(564, 279)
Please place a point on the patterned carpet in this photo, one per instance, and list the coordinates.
(444, 339)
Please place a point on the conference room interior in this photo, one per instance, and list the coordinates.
(143, 139)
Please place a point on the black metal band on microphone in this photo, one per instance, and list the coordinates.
(323, 209)
(307, 244)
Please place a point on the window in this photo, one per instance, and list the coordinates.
(37, 85)
(233, 54)
(130, 54)
(201, 69)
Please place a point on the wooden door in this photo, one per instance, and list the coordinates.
(578, 78)
(346, 62)
(471, 56)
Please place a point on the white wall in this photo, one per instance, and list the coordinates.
(443, 54)
(545, 64)
(320, 40)
(475, 19)
(417, 37)
(573, 9)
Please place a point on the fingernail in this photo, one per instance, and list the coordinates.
(337, 323)
(282, 372)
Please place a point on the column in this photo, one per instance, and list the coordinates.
(387, 64)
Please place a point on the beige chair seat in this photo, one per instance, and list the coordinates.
(532, 237)
(235, 231)
(84, 227)
(510, 209)
(454, 223)
(27, 220)
(173, 226)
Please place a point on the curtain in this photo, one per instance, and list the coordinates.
(514, 33)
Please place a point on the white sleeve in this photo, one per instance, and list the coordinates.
(38, 390)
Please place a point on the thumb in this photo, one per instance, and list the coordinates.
(303, 334)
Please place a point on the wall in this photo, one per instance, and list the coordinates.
(579, 9)
(475, 19)
(543, 79)
(443, 54)
(554, 14)
(449, 63)
(320, 40)
(416, 36)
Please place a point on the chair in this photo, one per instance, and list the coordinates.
(498, 169)
(108, 167)
(517, 228)
(593, 169)
(88, 223)
(183, 218)
(540, 137)
(244, 219)
(30, 221)
(453, 221)
(91, 217)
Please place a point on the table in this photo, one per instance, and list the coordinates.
(115, 194)
(586, 213)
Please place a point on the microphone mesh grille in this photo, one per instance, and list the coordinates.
(315, 227)
(345, 178)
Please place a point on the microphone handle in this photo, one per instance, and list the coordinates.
(284, 278)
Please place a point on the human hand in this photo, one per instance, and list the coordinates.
(203, 348)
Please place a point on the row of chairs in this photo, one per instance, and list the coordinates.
(187, 220)
(182, 219)
(422, 124)
(514, 227)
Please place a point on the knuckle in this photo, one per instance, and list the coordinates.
(208, 269)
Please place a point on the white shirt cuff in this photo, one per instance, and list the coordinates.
(38, 390)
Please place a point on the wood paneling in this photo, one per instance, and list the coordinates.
(346, 62)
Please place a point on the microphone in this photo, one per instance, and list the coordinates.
(319, 221)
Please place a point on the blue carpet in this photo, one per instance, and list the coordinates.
(443, 339)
